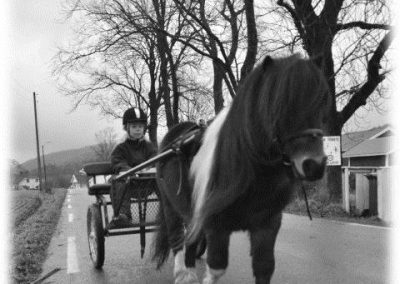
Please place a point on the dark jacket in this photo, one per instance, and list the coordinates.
(131, 153)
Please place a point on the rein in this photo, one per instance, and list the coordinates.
(285, 160)
(306, 201)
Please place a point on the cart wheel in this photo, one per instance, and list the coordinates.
(201, 247)
(95, 236)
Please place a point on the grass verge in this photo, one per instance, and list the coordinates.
(31, 232)
(331, 211)
(24, 204)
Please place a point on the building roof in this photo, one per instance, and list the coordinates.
(349, 140)
(372, 147)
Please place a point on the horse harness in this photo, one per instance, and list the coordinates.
(312, 133)
(193, 134)
(197, 131)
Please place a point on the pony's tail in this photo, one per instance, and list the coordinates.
(160, 242)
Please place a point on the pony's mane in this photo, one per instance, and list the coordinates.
(277, 97)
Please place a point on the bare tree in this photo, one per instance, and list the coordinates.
(106, 141)
(219, 29)
(121, 59)
(196, 100)
(348, 40)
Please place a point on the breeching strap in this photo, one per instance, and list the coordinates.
(306, 200)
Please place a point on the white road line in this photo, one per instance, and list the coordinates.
(369, 226)
(70, 217)
(72, 260)
(322, 220)
(69, 206)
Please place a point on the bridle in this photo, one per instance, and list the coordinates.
(312, 133)
(281, 143)
(308, 133)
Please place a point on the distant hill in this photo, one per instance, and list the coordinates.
(62, 158)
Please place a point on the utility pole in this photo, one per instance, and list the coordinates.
(44, 170)
(37, 144)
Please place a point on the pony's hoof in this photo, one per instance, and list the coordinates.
(186, 277)
(212, 275)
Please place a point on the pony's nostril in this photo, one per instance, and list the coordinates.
(314, 170)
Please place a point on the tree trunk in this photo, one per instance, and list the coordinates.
(162, 46)
(175, 89)
(217, 88)
(153, 127)
(332, 183)
(252, 40)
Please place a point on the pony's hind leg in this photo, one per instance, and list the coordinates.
(262, 241)
(217, 255)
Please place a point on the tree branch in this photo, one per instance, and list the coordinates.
(363, 25)
(374, 78)
(293, 14)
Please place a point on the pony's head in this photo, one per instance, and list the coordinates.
(304, 153)
(285, 104)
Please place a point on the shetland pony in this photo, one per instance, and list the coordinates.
(243, 171)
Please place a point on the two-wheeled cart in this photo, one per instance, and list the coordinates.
(144, 201)
(144, 207)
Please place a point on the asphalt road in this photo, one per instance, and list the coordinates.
(317, 251)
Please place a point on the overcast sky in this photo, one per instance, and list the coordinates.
(34, 33)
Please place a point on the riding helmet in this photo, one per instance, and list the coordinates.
(134, 115)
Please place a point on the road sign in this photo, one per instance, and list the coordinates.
(332, 150)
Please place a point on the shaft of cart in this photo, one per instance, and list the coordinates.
(191, 136)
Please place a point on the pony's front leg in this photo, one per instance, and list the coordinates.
(262, 241)
(182, 273)
(217, 255)
(176, 241)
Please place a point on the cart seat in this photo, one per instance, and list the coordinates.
(99, 168)
(98, 189)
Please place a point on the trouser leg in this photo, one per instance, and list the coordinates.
(120, 199)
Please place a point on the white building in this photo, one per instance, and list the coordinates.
(29, 183)
(369, 157)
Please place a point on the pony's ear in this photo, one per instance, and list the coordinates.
(267, 62)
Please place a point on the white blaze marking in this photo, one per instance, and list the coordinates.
(72, 260)
(201, 166)
(179, 262)
(212, 275)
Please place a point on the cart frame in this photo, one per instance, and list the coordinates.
(97, 215)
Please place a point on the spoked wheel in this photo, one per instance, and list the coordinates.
(95, 236)
(201, 246)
